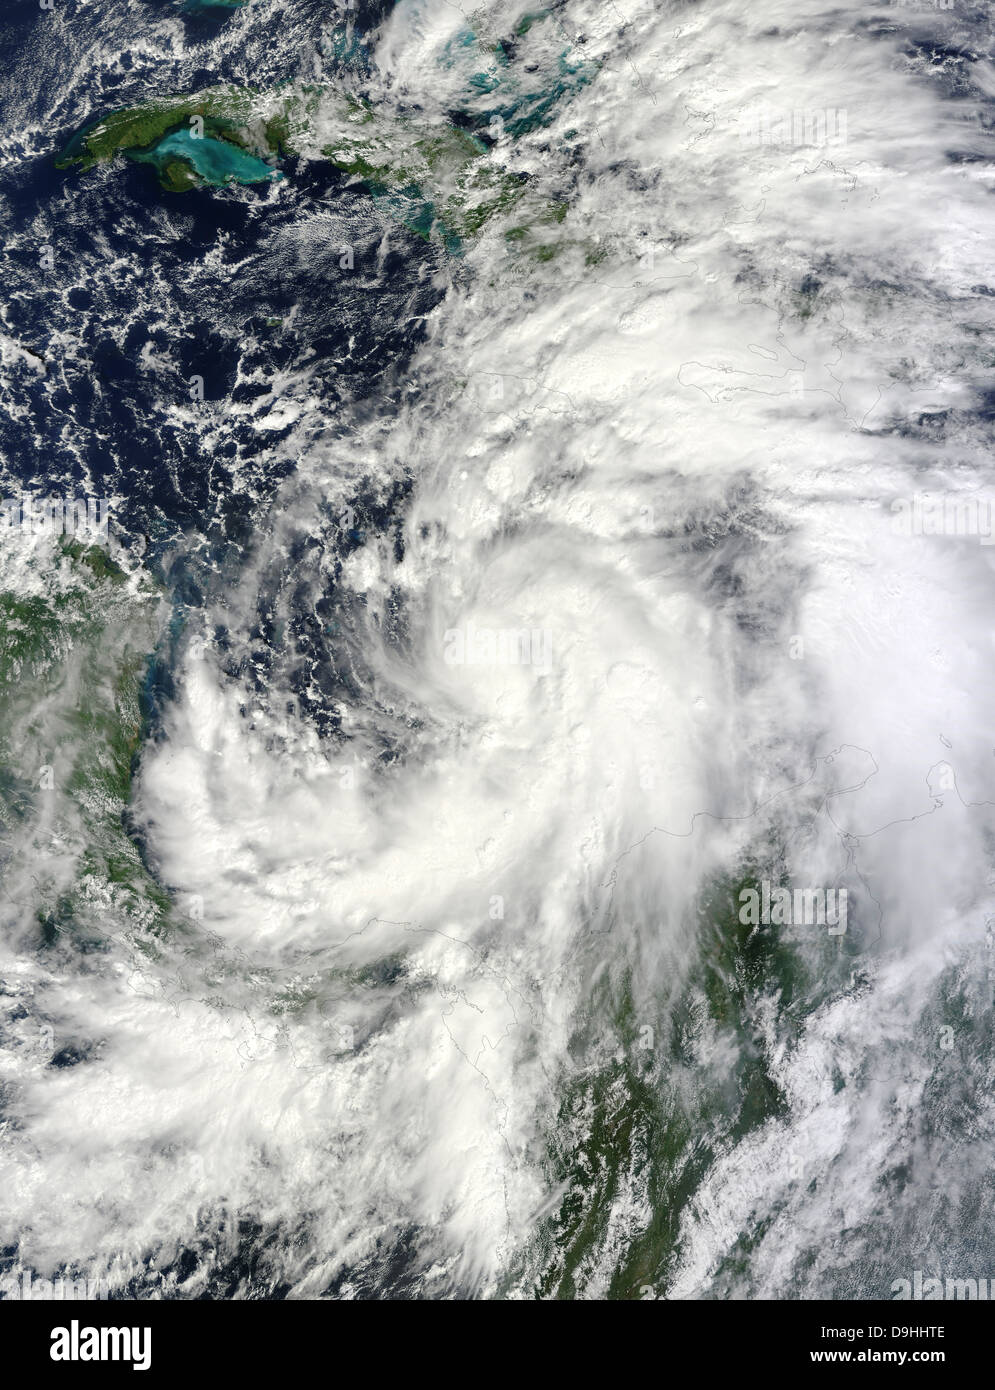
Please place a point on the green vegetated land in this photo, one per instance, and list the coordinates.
(430, 179)
(229, 117)
(73, 662)
(660, 1090)
(436, 179)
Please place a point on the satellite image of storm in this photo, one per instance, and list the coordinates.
(497, 651)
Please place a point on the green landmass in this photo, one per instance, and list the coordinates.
(438, 180)
(73, 661)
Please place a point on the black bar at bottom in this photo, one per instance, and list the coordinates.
(267, 1338)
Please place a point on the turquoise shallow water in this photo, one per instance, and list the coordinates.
(390, 978)
(215, 161)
